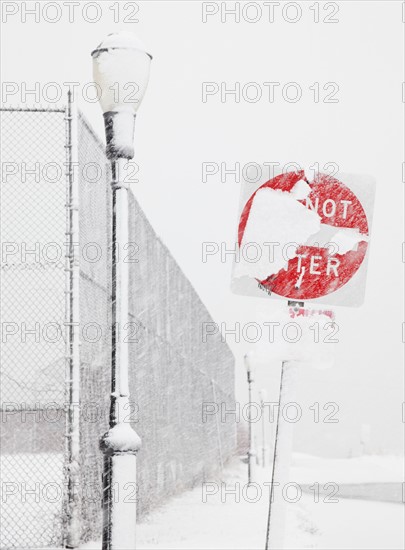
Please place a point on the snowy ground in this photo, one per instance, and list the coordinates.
(220, 523)
(363, 469)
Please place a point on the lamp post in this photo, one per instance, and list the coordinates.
(263, 397)
(251, 452)
(120, 65)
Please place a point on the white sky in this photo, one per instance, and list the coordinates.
(177, 132)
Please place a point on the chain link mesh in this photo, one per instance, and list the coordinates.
(33, 315)
(172, 371)
(95, 349)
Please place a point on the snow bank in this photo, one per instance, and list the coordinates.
(364, 469)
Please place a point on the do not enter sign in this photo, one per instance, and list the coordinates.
(305, 240)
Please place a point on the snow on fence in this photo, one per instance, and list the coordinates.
(45, 154)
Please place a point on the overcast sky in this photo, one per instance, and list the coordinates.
(361, 55)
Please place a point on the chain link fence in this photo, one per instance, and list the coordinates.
(95, 320)
(33, 198)
(172, 371)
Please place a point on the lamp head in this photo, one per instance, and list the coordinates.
(121, 67)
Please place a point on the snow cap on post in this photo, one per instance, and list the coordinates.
(121, 67)
(122, 439)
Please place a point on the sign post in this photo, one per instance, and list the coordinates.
(281, 457)
(310, 242)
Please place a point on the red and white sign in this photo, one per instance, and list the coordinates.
(321, 237)
(299, 311)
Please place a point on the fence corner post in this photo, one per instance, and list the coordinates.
(72, 531)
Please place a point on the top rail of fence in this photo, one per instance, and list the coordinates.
(34, 109)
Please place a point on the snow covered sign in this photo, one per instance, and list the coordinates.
(305, 240)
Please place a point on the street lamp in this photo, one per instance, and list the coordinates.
(251, 452)
(263, 397)
(121, 68)
(121, 71)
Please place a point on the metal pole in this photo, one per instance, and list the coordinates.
(121, 443)
(263, 437)
(251, 452)
(73, 504)
(281, 458)
(221, 460)
(120, 280)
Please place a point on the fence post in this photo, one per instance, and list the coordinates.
(221, 460)
(72, 533)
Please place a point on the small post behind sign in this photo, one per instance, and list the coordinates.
(281, 453)
(284, 435)
(251, 455)
(281, 458)
(263, 396)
